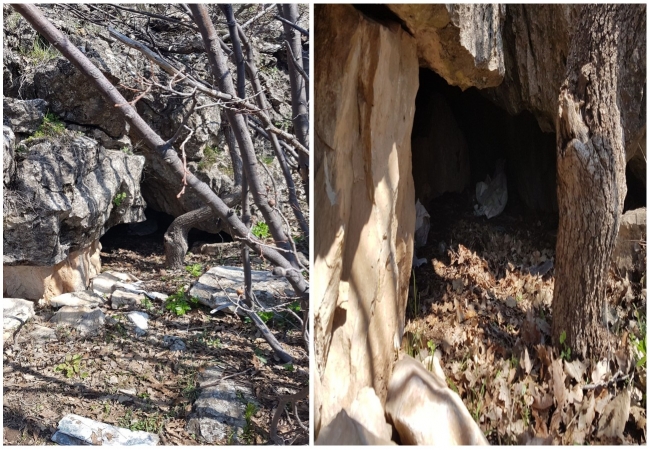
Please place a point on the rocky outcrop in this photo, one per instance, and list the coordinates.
(73, 98)
(62, 193)
(462, 43)
(366, 81)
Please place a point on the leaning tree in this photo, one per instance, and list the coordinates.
(607, 54)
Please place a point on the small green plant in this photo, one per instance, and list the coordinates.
(640, 344)
(452, 385)
(119, 198)
(51, 126)
(519, 298)
(209, 157)
(196, 270)
(268, 160)
(514, 362)
(289, 367)
(566, 352)
(261, 230)
(126, 150)
(180, 302)
(247, 433)
(147, 303)
(432, 347)
(260, 356)
(71, 367)
(41, 52)
(295, 306)
(266, 315)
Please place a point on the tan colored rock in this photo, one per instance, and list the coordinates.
(344, 430)
(367, 410)
(628, 254)
(462, 42)
(424, 411)
(366, 81)
(70, 275)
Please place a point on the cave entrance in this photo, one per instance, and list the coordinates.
(146, 238)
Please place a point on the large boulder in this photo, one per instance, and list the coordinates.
(366, 81)
(462, 43)
(66, 192)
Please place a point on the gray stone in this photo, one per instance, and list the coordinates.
(344, 430)
(104, 283)
(209, 289)
(220, 408)
(121, 298)
(81, 298)
(9, 164)
(492, 195)
(72, 186)
(91, 432)
(140, 320)
(174, 343)
(23, 116)
(15, 313)
(41, 335)
(85, 320)
(629, 253)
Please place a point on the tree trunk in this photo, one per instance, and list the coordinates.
(175, 239)
(591, 170)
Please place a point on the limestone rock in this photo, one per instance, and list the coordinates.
(366, 81)
(628, 254)
(367, 410)
(461, 42)
(209, 289)
(8, 162)
(70, 275)
(121, 298)
(81, 298)
(344, 430)
(15, 313)
(492, 195)
(425, 411)
(76, 430)
(85, 320)
(23, 116)
(41, 335)
(220, 408)
(66, 197)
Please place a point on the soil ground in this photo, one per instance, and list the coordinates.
(477, 302)
(135, 384)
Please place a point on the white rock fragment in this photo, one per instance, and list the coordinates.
(74, 429)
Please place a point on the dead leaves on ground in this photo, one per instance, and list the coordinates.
(490, 313)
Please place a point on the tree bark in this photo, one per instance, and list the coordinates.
(298, 92)
(175, 240)
(591, 170)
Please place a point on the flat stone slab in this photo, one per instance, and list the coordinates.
(81, 298)
(84, 319)
(15, 312)
(41, 335)
(121, 298)
(220, 408)
(217, 288)
(75, 430)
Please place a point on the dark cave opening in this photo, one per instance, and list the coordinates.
(147, 236)
(458, 137)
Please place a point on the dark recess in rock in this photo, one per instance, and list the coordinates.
(489, 133)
